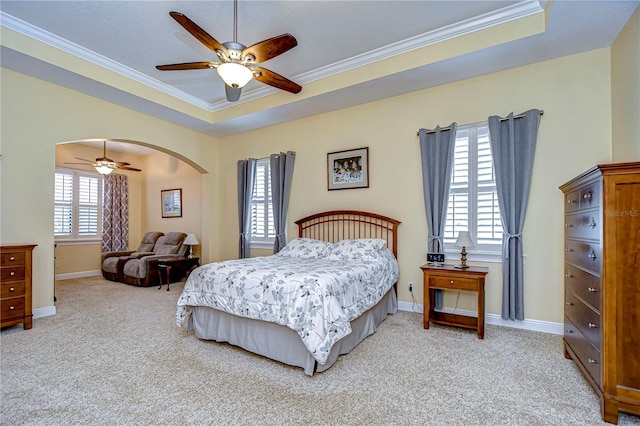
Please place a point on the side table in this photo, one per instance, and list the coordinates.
(448, 277)
(182, 263)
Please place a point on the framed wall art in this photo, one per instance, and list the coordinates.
(171, 202)
(348, 169)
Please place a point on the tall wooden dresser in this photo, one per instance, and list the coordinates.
(15, 281)
(602, 283)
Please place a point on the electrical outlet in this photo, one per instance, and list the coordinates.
(410, 285)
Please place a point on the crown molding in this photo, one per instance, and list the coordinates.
(510, 13)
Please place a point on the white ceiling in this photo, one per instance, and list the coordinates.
(131, 37)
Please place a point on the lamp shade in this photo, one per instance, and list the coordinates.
(235, 75)
(464, 240)
(191, 240)
(103, 169)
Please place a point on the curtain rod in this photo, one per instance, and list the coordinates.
(501, 119)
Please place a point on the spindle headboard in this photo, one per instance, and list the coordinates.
(337, 225)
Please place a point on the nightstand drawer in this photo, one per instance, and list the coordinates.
(12, 308)
(13, 273)
(13, 289)
(12, 258)
(456, 283)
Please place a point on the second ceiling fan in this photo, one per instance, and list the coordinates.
(237, 64)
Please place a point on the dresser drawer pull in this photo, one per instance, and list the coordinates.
(12, 273)
(12, 289)
(12, 258)
(592, 224)
(11, 308)
(587, 196)
(569, 201)
(568, 250)
(568, 276)
(568, 225)
(592, 255)
(452, 282)
(592, 325)
(592, 361)
(570, 331)
(568, 303)
(592, 290)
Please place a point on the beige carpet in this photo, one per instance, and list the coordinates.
(113, 355)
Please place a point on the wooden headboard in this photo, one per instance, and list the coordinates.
(337, 225)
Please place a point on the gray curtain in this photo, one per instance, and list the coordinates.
(246, 179)
(115, 213)
(437, 149)
(281, 166)
(513, 145)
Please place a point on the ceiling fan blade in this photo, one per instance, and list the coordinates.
(233, 93)
(276, 80)
(188, 66)
(80, 164)
(83, 159)
(121, 163)
(198, 32)
(128, 168)
(270, 48)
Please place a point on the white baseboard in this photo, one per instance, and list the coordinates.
(82, 274)
(43, 312)
(494, 319)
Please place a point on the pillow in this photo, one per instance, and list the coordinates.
(366, 249)
(305, 248)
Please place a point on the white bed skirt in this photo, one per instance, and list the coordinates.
(280, 343)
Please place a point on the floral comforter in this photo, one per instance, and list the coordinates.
(317, 298)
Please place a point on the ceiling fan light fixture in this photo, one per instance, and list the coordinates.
(103, 169)
(234, 74)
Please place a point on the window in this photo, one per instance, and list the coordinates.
(77, 213)
(473, 199)
(263, 231)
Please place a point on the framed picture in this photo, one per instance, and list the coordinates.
(171, 202)
(348, 169)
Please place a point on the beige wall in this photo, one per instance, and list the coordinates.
(36, 116)
(575, 133)
(625, 89)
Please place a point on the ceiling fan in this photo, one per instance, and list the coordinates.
(104, 165)
(237, 64)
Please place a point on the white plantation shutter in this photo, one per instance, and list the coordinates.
(262, 227)
(473, 201)
(77, 205)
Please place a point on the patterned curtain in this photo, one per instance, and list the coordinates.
(115, 213)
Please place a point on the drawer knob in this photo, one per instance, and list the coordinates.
(568, 250)
(12, 273)
(570, 331)
(12, 258)
(568, 225)
(587, 196)
(592, 325)
(452, 282)
(592, 361)
(592, 224)
(12, 288)
(568, 303)
(570, 201)
(592, 290)
(568, 276)
(11, 308)
(592, 255)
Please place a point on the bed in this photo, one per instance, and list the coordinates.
(317, 299)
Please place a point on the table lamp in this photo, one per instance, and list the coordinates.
(190, 241)
(464, 240)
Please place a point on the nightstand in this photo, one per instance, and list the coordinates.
(182, 263)
(448, 277)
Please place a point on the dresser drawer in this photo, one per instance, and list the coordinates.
(583, 284)
(572, 201)
(12, 273)
(590, 196)
(586, 319)
(12, 258)
(585, 255)
(583, 225)
(456, 283)
(12, 308)
(588, 355)
(12, 289)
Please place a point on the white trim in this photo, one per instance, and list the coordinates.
(82, 274)
(506, 14)
(494, 319)
(43, 312)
